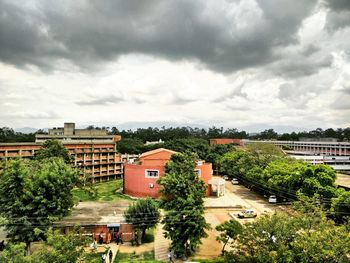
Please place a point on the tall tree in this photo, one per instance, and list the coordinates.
(53, 148)
(229, 230)
(130, 146)
(182, 199)
(143, 214)
(33, 194)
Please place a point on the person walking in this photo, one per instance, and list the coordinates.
(171, 256)
(121, 237)
(117, 237)
(100, 238)
(110, 254)
(103, 258)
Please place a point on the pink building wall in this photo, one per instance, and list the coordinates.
(136, 182)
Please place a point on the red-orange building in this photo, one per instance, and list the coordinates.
(217, 141)
(94, 151)
(140, 179)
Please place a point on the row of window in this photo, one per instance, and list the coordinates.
(155, 173)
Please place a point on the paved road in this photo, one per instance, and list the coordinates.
(249, 199)
(240, 197)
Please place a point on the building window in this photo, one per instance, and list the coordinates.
(198, 172)
(152, 173)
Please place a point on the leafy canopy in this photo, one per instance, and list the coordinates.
(53, 148)
(143, 214)
(182, 199)
(229, 230)
(57, 248)
(306, 236)
(33, 194)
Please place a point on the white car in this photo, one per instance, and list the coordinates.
(225, 177)
(248, 213)
(272, 199)
(234, 181)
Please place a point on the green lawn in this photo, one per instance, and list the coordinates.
(106, 191)
(146, 257)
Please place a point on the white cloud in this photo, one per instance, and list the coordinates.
(227, 63)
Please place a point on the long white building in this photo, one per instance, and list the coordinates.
(334, 154)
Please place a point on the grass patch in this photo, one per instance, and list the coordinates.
(94, 257)
(105, 191)
(214, 260)
(146, 257)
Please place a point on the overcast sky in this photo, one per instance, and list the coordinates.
(248, 63)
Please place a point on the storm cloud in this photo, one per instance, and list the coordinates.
(224, 36)
(225, 62)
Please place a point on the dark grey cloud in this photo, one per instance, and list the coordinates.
(89, 33)
(298, 65)
(100, 101)
(339, 15)
(338, 20)
(338, 5)
(309, 50)
(23, 40)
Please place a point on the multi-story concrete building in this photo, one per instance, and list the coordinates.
(334, 154)
(94, 151)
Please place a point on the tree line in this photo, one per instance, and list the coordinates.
(9, 135)
(173, 133)
(154, 134)
(264, 168)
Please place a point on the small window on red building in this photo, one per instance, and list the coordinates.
(198, 172)
(152, 173)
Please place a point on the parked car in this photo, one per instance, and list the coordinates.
(225, 177)
(248, 213)
(272, 199)
(234, 181)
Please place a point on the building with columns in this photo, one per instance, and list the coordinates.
(94, 151)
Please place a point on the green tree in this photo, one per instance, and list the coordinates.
(307, 235)
(130, 146)
(68, 248)
(230, 165)
(15, 253)
(229, 230)
(143, 214)
(216, 152)
(182, 199)
(57, 248)
(199, 146)
(53, 148)
(340, 207)
(33, 194)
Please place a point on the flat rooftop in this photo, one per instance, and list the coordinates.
(343, 180)
(96, 213)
